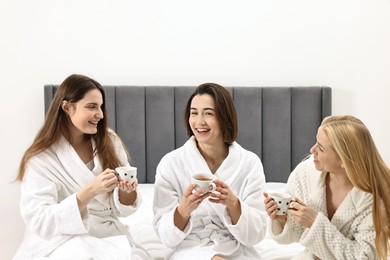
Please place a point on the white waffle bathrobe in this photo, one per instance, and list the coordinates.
(54, 226)
(349, 235)
(210, 230)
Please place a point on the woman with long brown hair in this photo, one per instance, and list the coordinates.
(342, 207)
(71, 197)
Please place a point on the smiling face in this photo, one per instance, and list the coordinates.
(203, 120)
(325, 157)
(85, 114)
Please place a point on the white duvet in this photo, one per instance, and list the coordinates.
(141, 229)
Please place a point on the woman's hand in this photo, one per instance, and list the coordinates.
(271, 208)
(225, 196)
(127, 187)
(190, 202)
(127, 192)
(302, 214)
(104, 182)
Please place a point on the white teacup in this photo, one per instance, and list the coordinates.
(127, 173)
(204, 181)
(282, 200)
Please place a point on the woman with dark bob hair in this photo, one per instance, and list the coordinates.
(222, 223)
(71, 197)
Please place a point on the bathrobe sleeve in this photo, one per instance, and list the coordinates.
(291, 232)
(126, 210)
(251, 226)
(123, 210)
(42, 212)
(167, 196)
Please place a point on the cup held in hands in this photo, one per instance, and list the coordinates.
(204, 181)
(282, 201)
(127, 173)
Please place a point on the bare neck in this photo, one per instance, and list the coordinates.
(83, 146)
(340, 180)
(214, 155)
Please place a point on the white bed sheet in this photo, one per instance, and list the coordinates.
(141, 228)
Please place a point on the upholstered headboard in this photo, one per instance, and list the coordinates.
(279, 124)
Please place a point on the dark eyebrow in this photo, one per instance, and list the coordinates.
(207, 108)
(94, 103)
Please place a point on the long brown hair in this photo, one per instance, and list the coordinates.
(224, 108)
(365, 168)
(57, 124)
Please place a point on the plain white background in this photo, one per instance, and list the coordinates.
(343, 44)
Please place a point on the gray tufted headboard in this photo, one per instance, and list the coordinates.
(279, 124)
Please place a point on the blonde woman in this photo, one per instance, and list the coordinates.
(342, 207)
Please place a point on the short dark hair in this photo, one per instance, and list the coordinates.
(224, 109)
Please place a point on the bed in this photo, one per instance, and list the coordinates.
(279, 124)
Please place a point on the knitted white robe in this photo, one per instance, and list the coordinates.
(348, 235)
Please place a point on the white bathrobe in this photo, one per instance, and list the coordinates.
(54, 226)
(349, 234)
(210, 230)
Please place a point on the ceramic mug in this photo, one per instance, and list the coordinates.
(204, 181)
(282, 200)
(128, 173)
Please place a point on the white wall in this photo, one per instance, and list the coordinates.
(341, 44)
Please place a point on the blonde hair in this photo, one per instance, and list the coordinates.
(365, 168)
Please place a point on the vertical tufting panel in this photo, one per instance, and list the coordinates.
(160, 126)
(48, 92)
(306, 115)
(110, 106)
(276, 132)
(130, 124)
(326, 101)
(248, 102)
(182, 94)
